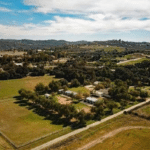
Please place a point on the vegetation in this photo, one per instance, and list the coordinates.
(96, 132)
(9, 88)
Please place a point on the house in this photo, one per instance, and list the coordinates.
(105, 92)
(90, 87)
(96, 82)
(74, 93)
(47, 95)
(97, 93)
(68, 93)
(18, 64)
(61, 91)
(91, 100)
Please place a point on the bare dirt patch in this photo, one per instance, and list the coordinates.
(63, 100)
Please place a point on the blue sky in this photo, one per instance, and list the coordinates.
(90, 20)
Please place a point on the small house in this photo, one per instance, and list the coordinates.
(47, 95)
(98, 93)
(68, 93)
(61, 91)
(96, 82)
(91, 100)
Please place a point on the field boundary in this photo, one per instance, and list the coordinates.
(69, 135)
(30, 142)
(8, 140)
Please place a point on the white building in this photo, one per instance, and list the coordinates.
(97, 82)
(47, 95)
(68, 92)
(91, 100)
(18, 64)
(98, 93)
(61, 91)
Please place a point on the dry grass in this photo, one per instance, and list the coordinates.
(13, 53)
(135, 139)
(100, 130)
(21, 124)
(4, 145)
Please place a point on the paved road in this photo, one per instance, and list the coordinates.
(64, 137)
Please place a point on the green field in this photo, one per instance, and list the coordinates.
(80, 106)
(9, 88)
(134, 62)
(79, 89)
(106, 48)
(135, 139)
(21, 124)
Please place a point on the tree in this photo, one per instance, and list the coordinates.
(75, 83)
(54, 86)
(40, 88)
(79, 95)
(99, 86)
(63, 82)
(98, 109)
(123, 103)
(143, 94)
(86, 94)
(65, 88)
(111, 106)
(81, 117)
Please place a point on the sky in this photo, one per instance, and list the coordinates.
(91, 20)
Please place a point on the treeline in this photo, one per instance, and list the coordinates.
(68, 112)
(134, 74)
(12, 71)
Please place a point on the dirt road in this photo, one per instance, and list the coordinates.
(108, 135)
(64, 137)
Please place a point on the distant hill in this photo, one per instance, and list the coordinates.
(24, 44)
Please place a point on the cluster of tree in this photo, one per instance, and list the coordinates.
(12, 71)
(51, 104)
(120, 92)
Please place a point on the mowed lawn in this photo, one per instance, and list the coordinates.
(9, 88)
(135, 139)
(21, 124)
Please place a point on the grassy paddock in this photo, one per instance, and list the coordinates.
(145, 110)
(9, 88)
(135, 139)
(91, 134)
(21, 124)
(4, 145)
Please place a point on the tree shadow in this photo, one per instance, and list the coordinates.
(54, 117)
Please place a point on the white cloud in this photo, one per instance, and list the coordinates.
(3, 9)
(134, 8)
(67, 25)
(101, 16)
